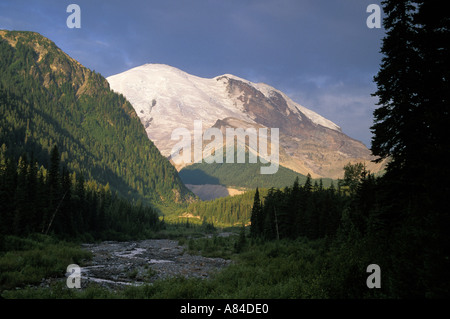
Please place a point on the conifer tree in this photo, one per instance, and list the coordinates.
(256, 217)
(20, 200)
(411, 130)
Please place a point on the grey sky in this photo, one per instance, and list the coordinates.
(319, 52)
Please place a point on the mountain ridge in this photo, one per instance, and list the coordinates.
(48, 98)
(166, 98)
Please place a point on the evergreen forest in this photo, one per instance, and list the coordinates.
(76, 166)
(246, 175)
(55, 201)
(48, 99)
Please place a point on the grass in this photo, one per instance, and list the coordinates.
(282, 269)
(272, 270)
(26, 261)
(215, 247)
(286, 269)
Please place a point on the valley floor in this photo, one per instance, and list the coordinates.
(217, 266)
(140, 262)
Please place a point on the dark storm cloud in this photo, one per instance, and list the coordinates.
(319, 52)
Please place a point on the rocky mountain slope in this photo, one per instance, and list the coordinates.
(166, 98)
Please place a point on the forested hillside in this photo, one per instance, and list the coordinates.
(245, 175)
(322, 202)
(53, 200)
(230, 210)
(48, 99)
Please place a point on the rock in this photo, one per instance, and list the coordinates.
(138, 262)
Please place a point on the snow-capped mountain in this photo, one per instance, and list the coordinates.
(166, 98)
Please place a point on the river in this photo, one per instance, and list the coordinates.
(138, 262)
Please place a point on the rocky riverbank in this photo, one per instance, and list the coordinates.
(139, 262)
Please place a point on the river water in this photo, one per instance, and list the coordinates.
(139, 262)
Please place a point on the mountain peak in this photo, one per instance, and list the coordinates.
(40, 44)
(166, 98)
(97, 131)
(53, 65)
(230, 76)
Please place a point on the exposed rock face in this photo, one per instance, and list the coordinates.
(166, 98)
(64, 69)
(305, 146)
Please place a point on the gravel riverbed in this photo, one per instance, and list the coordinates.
(138, 262)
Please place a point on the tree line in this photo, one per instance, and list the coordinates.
(308, 210)
(401, 220)
(56, 201)
(229, 210)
